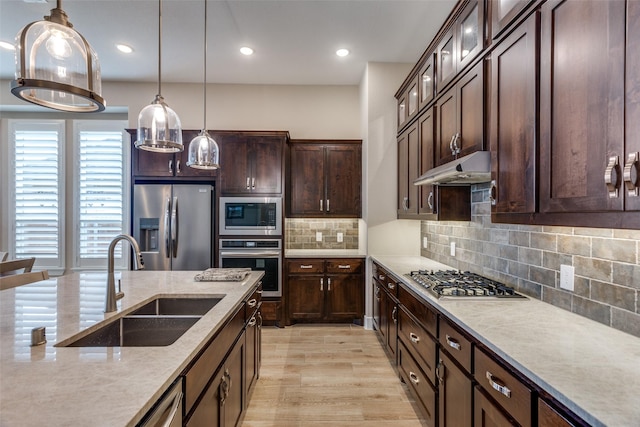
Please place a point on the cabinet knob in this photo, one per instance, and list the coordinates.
(612, 177)
(632, 175)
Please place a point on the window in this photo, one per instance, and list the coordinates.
(46, 180)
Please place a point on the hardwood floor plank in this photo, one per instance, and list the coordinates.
(328, 375)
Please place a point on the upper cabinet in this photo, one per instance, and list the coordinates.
(325, 179)
(504, 13)
(251, 162)
(408, 103)
(426, 81)
(152, 165)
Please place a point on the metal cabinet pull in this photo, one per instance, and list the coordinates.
(453, 343)
(321, 284)
(327, 205)
(612, 177)
(391, 285)
(496, 385)
(414, 338)
(248, 182)
(430, 200)
(493, 192)
(438, 375)
(381, 276)
(178, 170)
(321, 209)
(456, 148)
(253, 183)
(306, 266)
(453, 151)
(329, 284)
(631, 168)
(344, 266)
(405, 203)
(252, 322)
(171, 167)
(414, 378)
(394, 314)
(252, 302)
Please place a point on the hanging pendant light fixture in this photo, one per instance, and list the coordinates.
(159, 127)
(203, 149)
(56, 67)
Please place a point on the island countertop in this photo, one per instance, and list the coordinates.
(96, 386)
(589, 367)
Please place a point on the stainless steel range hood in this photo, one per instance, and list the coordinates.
(471, 169)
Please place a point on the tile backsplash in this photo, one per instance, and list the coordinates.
(301, 233)
(606, 261)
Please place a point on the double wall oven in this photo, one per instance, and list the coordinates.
(250, 230)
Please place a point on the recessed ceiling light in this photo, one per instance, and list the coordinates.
(246, 50)
(7, 45)
(342, 52)
(124, 48)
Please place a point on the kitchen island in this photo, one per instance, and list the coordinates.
(590, 368)
(97, 386)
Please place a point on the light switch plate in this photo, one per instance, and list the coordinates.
(566, 277)
(318, 236)
(453, 248)
(425, 243)
(339, 236)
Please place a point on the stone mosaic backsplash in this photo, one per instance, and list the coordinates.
(606, 261)
(301, 233)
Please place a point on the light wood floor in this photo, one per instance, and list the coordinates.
(327, 376)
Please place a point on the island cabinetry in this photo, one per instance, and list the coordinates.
(325, 179)
(460, 117)
(150, 165)
(253, 336)
(388, 310)
(330, 290)
(498, 390)
(455, 384)
(252, 162)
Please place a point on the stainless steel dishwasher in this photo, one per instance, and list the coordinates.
(167, 412)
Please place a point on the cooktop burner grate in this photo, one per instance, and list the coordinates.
(455, 283)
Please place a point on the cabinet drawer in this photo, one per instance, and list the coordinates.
(253, 303)
(415, 378)
(305, 266)
(386, 280)
(198, 375)
(456, 344)
(420, 310)
(351, 265)
(503, 387)
(419, 343)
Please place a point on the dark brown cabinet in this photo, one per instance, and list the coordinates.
(513, 121)
(148, 164)
(503, 14)
(426, 81)
(550, 417)
(330, 290)
(408, 171)
(251, 162)
(388, 310)
(487, 414)
(253, 337)
(460, 117)
(455, 402)
(409, 103)
(325, 179)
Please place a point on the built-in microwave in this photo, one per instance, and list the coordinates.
(256, 216)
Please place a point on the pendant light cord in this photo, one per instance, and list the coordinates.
(204, 121)
(159, 47)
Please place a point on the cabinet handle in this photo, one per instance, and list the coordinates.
(414, 338)
(453, 343)
(438, 375)
(170, 167)
(327, 205)
(631, 182)
(306, 266)
(259, 315)
(248, 183)
(252, 302)
(259, 291)
(493, 192)
(457, 148)
(414, 378)
(381, 277)
(178, 170)
(329, 284)
(252, 322)
(394, 314)
(253, 183)
(321, 208)
(377, 293)
(612, 177)
(453, 151)
(430, 200)
(405, 203)
(346, 267)
(391, 285)
(496, 385)
(321, 284)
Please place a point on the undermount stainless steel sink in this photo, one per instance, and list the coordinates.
(160, 322)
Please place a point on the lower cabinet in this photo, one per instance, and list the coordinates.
(325, 290)
(487, 414)
(454, 394)
(413, 375)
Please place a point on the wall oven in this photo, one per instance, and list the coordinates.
(257, 216)
(257, 254)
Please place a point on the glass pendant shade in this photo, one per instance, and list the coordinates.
(56, 67)
(203, 152)
(159, 128)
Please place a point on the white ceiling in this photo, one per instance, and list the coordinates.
(294, 40)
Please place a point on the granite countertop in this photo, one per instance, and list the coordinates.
(108, 386)
(324, 253)
(591, 368)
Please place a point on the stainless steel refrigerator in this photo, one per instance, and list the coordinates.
(173, 223)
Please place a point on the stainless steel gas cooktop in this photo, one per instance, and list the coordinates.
(455, 283)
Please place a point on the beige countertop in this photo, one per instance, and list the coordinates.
(591, 368)
(93, 386)
(324, 253)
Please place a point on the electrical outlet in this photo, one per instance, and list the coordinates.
(425, 242)
(340, 237)
(566, 277)
(318, 236)
(453, 248)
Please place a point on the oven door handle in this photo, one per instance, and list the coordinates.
(244, 254)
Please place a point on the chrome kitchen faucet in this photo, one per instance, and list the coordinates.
(138, 264)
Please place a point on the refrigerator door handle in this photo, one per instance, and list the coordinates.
(174, 227)
(166, 226)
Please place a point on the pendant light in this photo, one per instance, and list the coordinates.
(159, 127)
(56, 67)
(203, 149)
